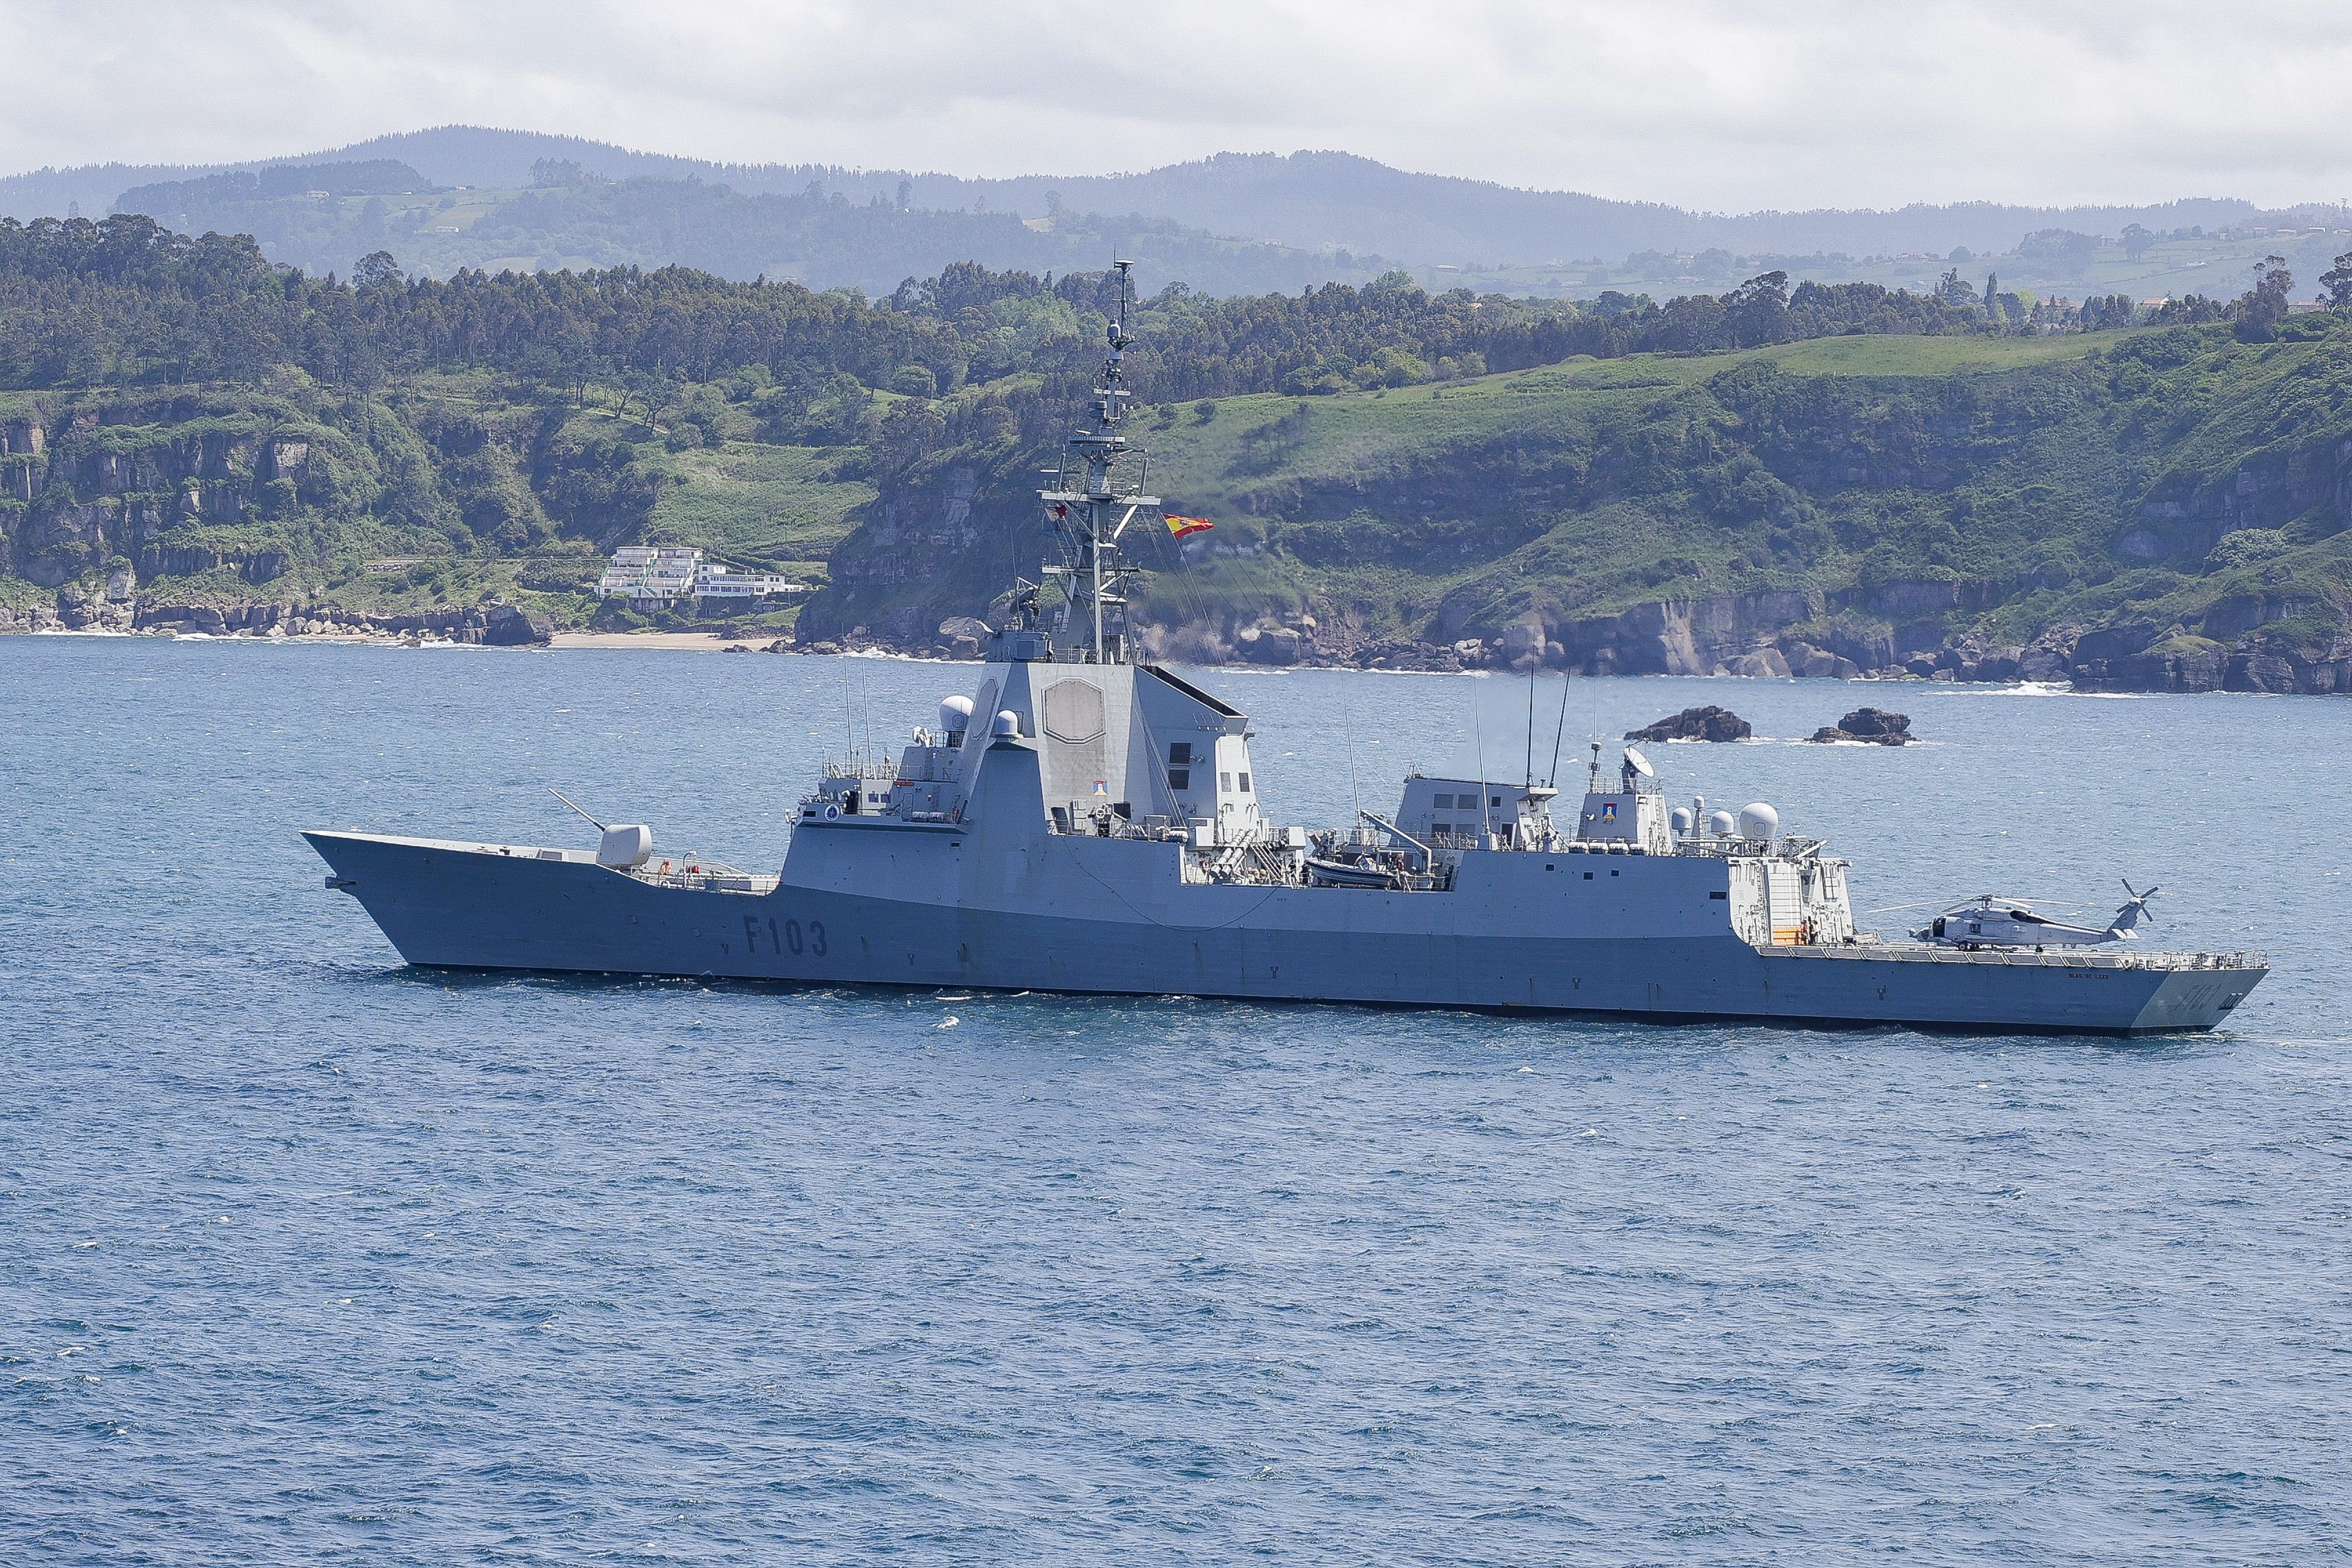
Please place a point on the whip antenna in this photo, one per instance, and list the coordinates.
(1558, 731)
(1478, 732)
(1530, 781)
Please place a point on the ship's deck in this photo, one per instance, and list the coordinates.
(2061, 958)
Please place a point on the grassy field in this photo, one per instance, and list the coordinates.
(1253, 438)
(777, 506)
(1879, 354)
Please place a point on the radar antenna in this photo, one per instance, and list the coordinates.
(1090, 516)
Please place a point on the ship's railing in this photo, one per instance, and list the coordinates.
(706, 876)
(2059, 958)
(1061, 824)
(1749, 849)
(862, 762)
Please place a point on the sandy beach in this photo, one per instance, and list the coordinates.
(698, 642)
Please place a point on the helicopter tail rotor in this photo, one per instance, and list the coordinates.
(2135, 910)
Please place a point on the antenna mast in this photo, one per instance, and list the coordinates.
(1090, 517)
(1529, 782)
(1559, 729)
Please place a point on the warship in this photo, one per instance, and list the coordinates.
(1086, 821)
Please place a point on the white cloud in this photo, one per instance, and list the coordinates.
(1699, 102)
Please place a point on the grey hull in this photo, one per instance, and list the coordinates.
(1547, 943)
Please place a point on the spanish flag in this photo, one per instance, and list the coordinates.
(1180, 526)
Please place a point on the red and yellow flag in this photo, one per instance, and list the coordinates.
(1180, 526)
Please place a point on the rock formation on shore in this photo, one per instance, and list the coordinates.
(494, 625)
(1874, 725)
(1709, 723)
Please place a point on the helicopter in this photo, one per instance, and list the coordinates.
(1991, 920)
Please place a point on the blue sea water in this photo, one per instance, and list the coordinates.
(308, 1258)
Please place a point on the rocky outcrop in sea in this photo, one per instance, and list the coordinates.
(1709, 723)
(1874, 726)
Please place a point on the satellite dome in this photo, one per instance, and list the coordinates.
(1758, 821)
(1008, 725)
(955, 713)
(1681, 819)
(1721, 824)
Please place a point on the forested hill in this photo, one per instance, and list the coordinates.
(462, 197)
(1310, 202)
(1758, 480)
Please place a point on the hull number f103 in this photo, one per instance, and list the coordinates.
(785, 937)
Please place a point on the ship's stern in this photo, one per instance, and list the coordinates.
(2198, 998)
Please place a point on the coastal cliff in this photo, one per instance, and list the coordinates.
(243, 448)
(2165, 511)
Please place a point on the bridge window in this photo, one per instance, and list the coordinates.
(1180, 778)
(1441, 803)
(1180, 753)
(1246, 789)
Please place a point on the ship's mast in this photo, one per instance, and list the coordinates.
(1091, 514)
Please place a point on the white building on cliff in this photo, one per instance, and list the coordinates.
(656, 576)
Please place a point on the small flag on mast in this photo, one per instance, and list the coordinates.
(1180, 526)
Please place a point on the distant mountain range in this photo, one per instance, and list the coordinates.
(1308, 215)
(322, 217)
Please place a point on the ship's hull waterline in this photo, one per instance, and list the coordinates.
(481, 906)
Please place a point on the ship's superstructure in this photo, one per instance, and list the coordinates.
(1082, 822)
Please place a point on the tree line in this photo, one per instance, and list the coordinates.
(125, 301)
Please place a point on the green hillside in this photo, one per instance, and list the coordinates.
(1396, 476)
(1874, 499)
(450, 491)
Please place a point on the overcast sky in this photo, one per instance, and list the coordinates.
(1729, 107)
